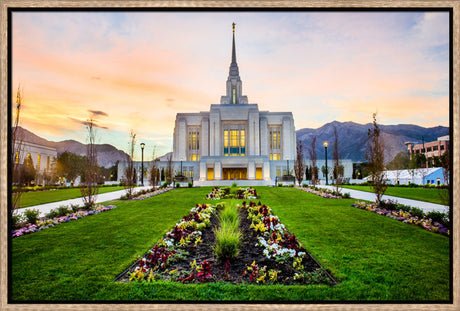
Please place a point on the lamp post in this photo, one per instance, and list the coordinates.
(325, 150)
(287, 161)
(142, 164)
(181, 159)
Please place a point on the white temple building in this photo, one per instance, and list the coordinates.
(234, 140)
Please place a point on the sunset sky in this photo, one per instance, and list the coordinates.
(136, 70)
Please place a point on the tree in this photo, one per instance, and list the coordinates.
(16, 152)
(129, 179)
(313, 167)
(90, 187)
(323, 170)
(27, 171)
(445, 164)
(375, 157)
(418, 161)
(299, 164)
(399, 163)
(154, 176)
(169, 173)
(338, 169)
(70, 165)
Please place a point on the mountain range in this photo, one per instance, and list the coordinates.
(352, 140)
(107, 155)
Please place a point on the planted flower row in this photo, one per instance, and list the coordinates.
(407, 215)
(45, 222)
(218, 193)
(278, 244)
(321, 192)
(145, 194)
(171, 248)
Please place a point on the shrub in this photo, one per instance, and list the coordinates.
(389, 205)
(51, 214)
(31, 215)
(280, 184)
(439, 217)
(178, 185)
(74, 207)
(404, 208)
(63, 210)
(164, 185)
(234, 185)
(227, 242)
(304, 185)
(230, 213)
(16, 219)
(417, 212)
(190, 184)
(346, 195)
(291, 185)
(228, 235)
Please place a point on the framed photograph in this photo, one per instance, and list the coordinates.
(232, 155)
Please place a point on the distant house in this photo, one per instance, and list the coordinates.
(430, 149)
(421, 176)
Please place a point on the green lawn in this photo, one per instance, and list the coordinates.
(374, 257)
(41, 197)
(421, 194)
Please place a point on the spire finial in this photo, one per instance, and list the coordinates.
(233, 26)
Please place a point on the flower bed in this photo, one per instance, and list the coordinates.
(218, 193)
(186, 253)
(45, 223)
(147, 195)
(322, 193)
(406, 216)
(173, 247)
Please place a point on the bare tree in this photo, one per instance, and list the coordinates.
(169, 170)
(445, 164)
(338, 169)
(299, 164)
(375, 157)
(90, 187)
(313, 167)
(129, 179)
(16, 152)
(154, 171)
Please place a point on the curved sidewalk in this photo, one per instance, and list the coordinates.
(370, 196)
(108, 196)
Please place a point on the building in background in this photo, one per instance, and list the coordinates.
(429, 149)
(42, 157)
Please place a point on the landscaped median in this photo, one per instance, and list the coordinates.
(372, 257)
(205, 247)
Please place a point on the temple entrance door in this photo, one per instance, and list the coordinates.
(234, 173)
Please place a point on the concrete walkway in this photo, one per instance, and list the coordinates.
(45, 208)
(369, 196)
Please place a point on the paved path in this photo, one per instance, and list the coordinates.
(45, 208)
(369, 196)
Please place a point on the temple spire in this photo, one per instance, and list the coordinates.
(234, 66)
(233, 46)
(234, 84)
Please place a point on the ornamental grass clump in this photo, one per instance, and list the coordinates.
(228, 235)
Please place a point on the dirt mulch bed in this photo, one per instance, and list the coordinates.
(249, 252)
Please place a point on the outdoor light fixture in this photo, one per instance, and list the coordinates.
(325, 150)
(287, 161)
(142, 164)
